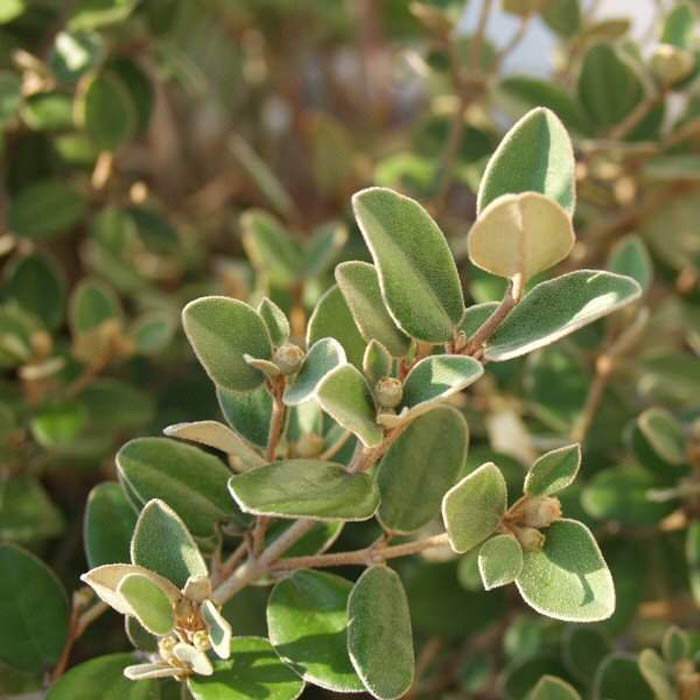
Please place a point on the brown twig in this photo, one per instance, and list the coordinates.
(510, 299)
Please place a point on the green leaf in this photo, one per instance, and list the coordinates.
(46, 208)
(152, 332)
(417, 273)
(307, 621)
(553, 471)
(74, 54)
(344, 395)
(332, 319)
(359, 283)
(323, 356)
(520, 235)
(107, 674)
(377, 362)
(584, 648)
(34, 611)
(221, 330)
(306, 488)
(679, 26)
(500, 561)
(188, 479)
(249, 413)
(437, 377)
(323, 247)
(150, 604)
(563, 16)
(553, 688)
(568, 578)
(163, 544)
(253, 671)
(92, 303)
(535, 156)
(108, 525)
(675, 644)
(664, 433)
(558, 307)
(12, 9)
(630, 257)
(108, 111)
(27, 514)
(275, 321)
(475, 317)
(618, 676)
(10, 96)
(219, 629)
(94, 14)
(424, 462)
(656, 674)
(380, 639)
(692, 554)
(473, 508)
(48, 111)
(609, 87)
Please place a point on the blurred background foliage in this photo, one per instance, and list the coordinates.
(134, 134)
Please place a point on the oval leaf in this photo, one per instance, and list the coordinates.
(150, 604)
(323, 356)
(500, 561)
(553, 471)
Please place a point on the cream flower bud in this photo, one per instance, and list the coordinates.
(540, 511)
(530, 539)
(288, 358)
(389, 392)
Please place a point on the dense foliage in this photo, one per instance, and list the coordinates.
(337, 359)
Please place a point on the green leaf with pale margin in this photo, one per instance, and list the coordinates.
(219, 629)
(323, 356)
(436, 377)
(27, 514)
(163, 544)
(152, 332)
(609, 87)
(108, 525)
(323, 247)
(108, 111)
(417, 273)
(664, 433)
(679, 26)
(475, 317)
(376, 362)
(92, 302)
(253, 671)
(105, 673)
(534, 156)
(520, 235)
(345, 396)
(380, 638)
(249, 413)
(359, 283)
(187, 478)
(473, 508)
(195, 658)
(275, 321)
(553, 688)
(558, 307)
(270, 248)
(38, 285)
(500, 561)
(553, 471)
(563, 16)
(420, 466)
(630, 257)
(692, 555)
(306, 488)
(618, 676)
(655, 672)
(675, 644)
(149, 603)
(332, 318)
(307, 621)
(568, 578)
(221, 330)
(583, 649)
(141, 638)
(34, 611)
(45, 209)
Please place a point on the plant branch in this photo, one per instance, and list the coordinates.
(635, 117)
(486, 330)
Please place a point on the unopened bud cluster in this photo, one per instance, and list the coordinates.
(531, 515)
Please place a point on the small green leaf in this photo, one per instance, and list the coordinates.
(630, 257)
(475, 317)
(92, 303)
(563, 16)
(618, 676)
(692, 554)
(75, 53)
(307, 621)
(109, 113)
(107, 674)
(535, 156)
(553, 688)
(655, 672)
(249, 413)
(376, 362)
(221, 330)
(359, 283)
(424, 462)
(10, 96)
(253, 671)
(473, 509)
(34, 611)
(108, 525)
(584, 647)
(568, 578)
(94, 14)
(520, 235)
(48, 111)
(323, 356)
(275, 321)
(679, 26)
(380, 639)
(323, 247)
(219, 629)
(152, 332)
(675, 644)
(190, 480)
(500, 561)
(27, 514)
(557, 308)
(306, 488)
(46, 208)
(332, 319)
(163, 544)
(553, 471)
(150, 604)
(194, 658)
(437, 377)
(417, 273)
(664, 433)
(344, 395)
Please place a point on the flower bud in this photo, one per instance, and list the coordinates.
(540, 511)
(389, 392)
(200, 640)
(530, 539)
(166, 646)
(288, 358)
(670, 64)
